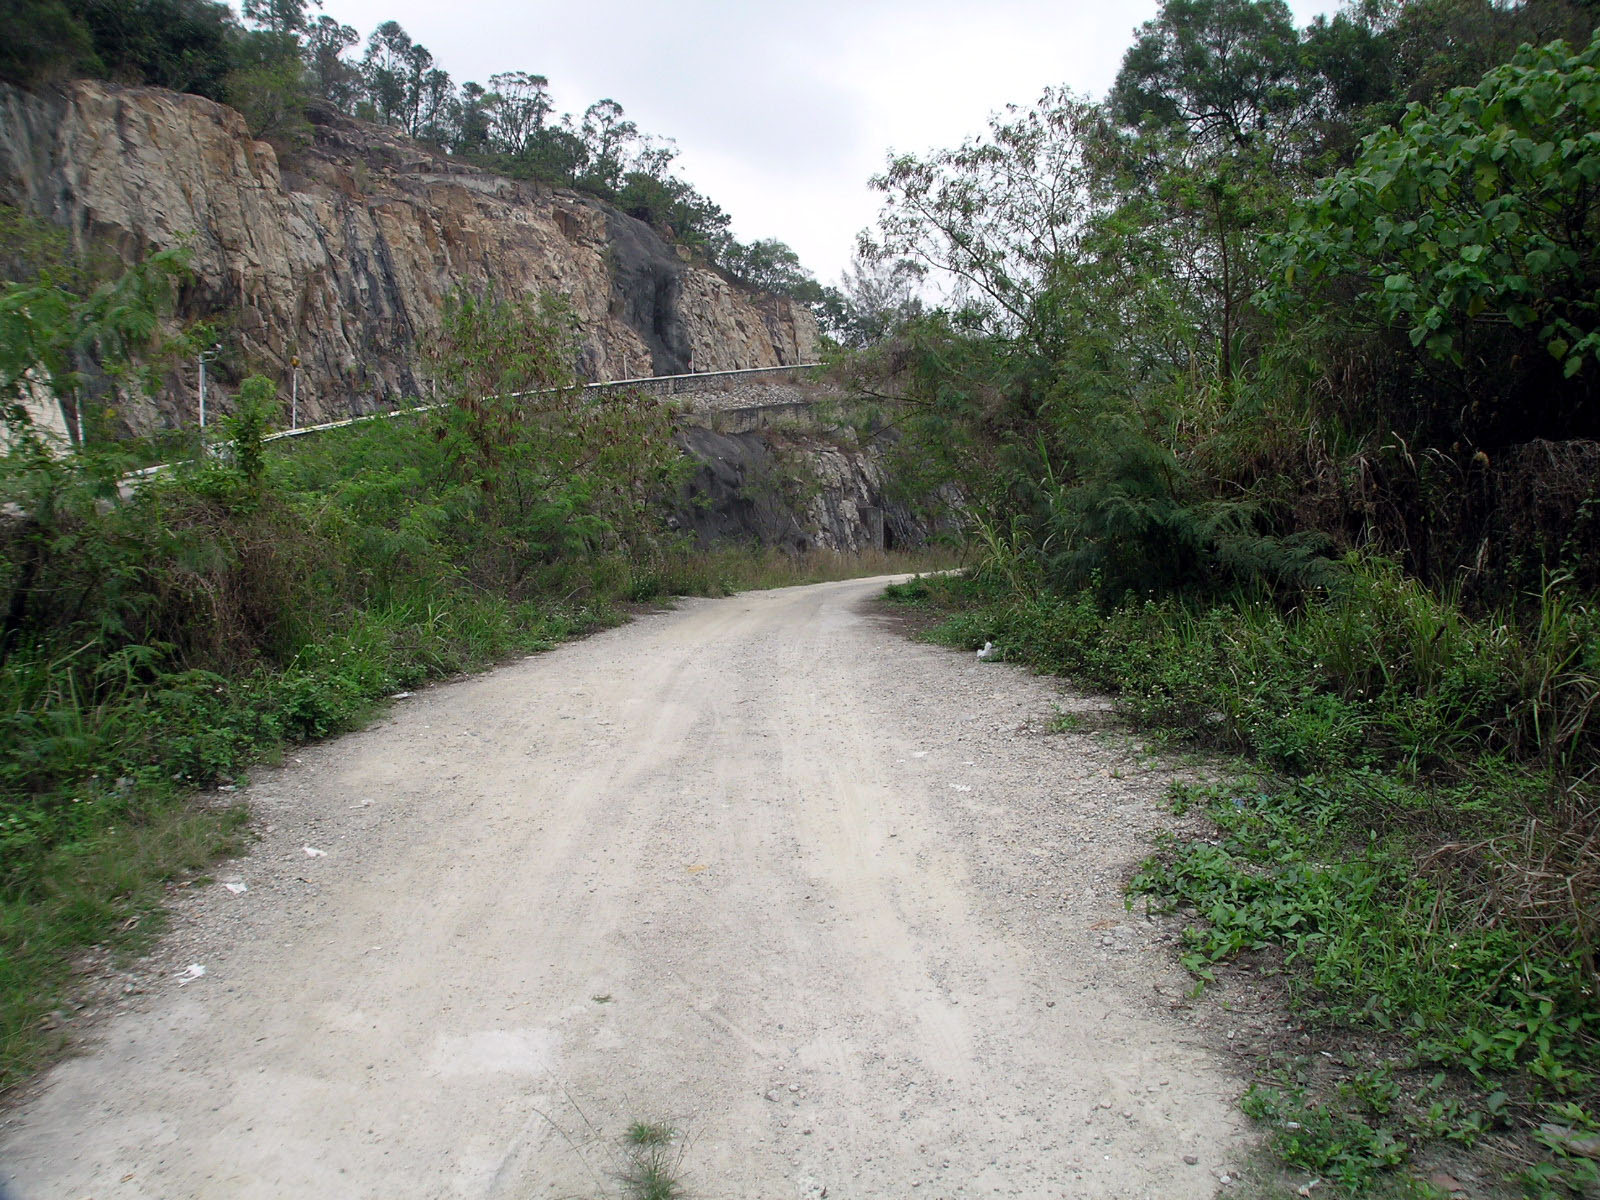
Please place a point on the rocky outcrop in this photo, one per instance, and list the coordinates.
(793, 491)
(344, 254)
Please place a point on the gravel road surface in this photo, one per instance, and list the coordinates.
(836, 905)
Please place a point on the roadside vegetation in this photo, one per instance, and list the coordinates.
(1269, 387)
(161, 634)
(1397, 845)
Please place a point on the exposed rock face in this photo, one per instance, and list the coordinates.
(344, 255)
(798, 493)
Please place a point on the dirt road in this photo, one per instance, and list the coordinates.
(835, 904)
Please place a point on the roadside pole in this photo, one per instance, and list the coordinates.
(204, 357)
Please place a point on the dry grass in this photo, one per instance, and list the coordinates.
(1543, 876)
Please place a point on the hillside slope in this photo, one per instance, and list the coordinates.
(343, 253)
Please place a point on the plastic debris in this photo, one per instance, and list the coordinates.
(192, 972)
(989, 652)
(402, 695)
(237, 886)
(962, 787)
(313, 853)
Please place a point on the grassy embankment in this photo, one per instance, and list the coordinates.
(1405, 844)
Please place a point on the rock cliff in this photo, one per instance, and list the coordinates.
(343, 253)
(798, 491)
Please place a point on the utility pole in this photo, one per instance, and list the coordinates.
(294, 393)
(204, 357)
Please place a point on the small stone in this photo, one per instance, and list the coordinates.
(772, 1096)
(1192, 1159)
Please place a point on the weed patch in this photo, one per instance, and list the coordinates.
(653, 1154)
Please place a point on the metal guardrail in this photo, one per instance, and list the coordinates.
(694, 380)
(665, 384)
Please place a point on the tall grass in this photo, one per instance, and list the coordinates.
(1377, 670)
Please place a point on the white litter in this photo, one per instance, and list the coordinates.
(989, 652)
(962, 787)
(237, 886)
(402, 695)
(310, 853)
(192, 972)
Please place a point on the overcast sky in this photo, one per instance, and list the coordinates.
(782, 112)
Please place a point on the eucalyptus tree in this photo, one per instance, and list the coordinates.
(607, 137)
(402, 83)
(517, 106)
(332, 76)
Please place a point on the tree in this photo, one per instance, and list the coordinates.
(1226, 70)
(1368, 61)
(542, 469)
(555, 155)
(516, 106)
(332, 77)
(875, 298)
(607, 135)
(280, 16)
(43, 41)
(1474, 228)
(402, 83)
(185, 45)
(771, 266)
(61, 342)
(437, 110)
(999, 212)
(472, 130)
(271, 96)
